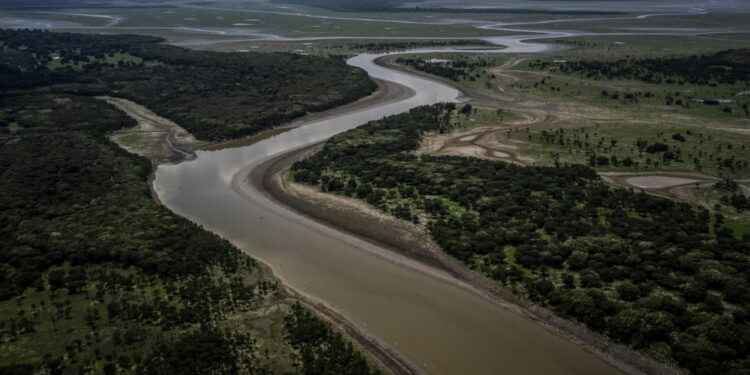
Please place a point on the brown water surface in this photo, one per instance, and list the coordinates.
(441, 327)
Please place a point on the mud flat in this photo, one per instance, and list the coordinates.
(658, 182)
(154, 137)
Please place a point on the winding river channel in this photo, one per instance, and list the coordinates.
(433, 321)
(426, 316)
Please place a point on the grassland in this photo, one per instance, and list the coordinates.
(701, 151)
(607, 257)
(287, 25)
(609, 124)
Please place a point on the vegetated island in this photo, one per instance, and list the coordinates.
(98, 277)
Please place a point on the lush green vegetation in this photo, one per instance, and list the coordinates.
(320, 349)
(663, 277)
(639, 147)
(349, 5)
(455, 67)
(730, 67)
(98, 277)
(212, 95)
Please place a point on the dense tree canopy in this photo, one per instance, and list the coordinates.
(660, 276)
(213, 95)
(95, 275)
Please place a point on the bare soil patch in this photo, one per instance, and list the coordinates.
(657, 182)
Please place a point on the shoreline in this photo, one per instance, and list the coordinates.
(268, 176)
(267, 180)
(262, 183)
(386, 357)
(386, 92)
(383, 355)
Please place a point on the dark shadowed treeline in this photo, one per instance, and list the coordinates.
(460, 67)
(213, 95)
(662, 277)
(726, 67)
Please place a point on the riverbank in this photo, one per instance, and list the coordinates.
(387, 92)
(155, 137)
(387, 234)
(164, 142)
(355, 218)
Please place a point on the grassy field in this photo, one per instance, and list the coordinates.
(702, 150)
(713, 198)
(127, 137)
(594, 113)
(484, 117)
(614, 125)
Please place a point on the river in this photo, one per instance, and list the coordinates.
(443, 328)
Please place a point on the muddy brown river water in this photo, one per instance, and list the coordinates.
(423, 314)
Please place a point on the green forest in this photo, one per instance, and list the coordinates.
(98, 277)
(213, 95)
(725, 67)
(662, 277)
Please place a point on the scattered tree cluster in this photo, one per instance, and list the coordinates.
(460, 67)
(732, 194)
(606, 147)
